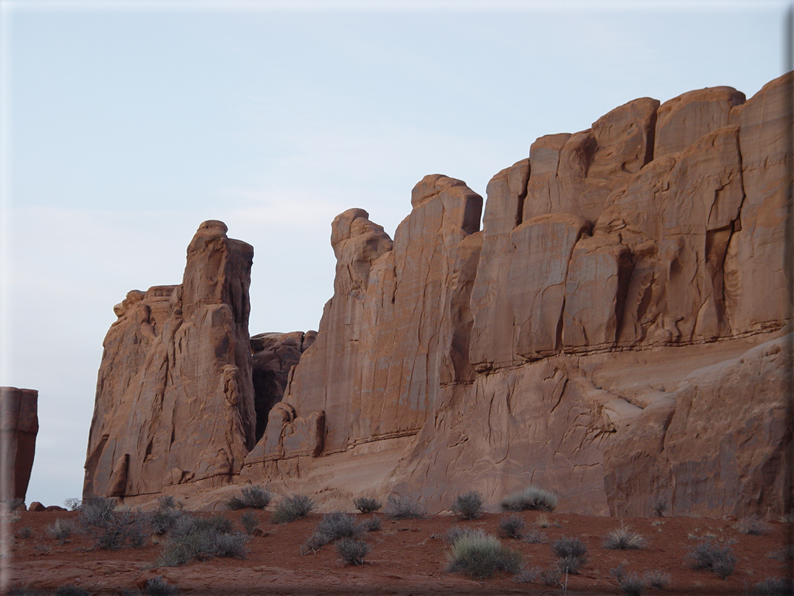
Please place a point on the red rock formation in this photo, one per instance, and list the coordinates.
(175, 398)
(614, 333)
(20, 425)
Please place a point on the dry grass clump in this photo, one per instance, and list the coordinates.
(468, 505)
(531, 498)
(291, 508)
(657, 579)
(480, 555)
(622, 538)
(253, 497)
(632, 584)
(367, 504)
(711, 557)
(403, 508)
(61, 530)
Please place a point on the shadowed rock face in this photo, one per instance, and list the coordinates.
(615, 333)
(19, 425)
(175, 398)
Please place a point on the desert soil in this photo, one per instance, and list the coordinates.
(407, 557)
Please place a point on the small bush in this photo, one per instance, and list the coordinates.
(332, 526)
(710, 557)
(352, 551)
(535, 537)
(528, 576)
(468, 505)
(511, 526)
(250, 522)
(403, 508)
(163, 519)
(70, 591)
(571, 552)
(370, 525)
(168, 502)
(457, 532)
(657, 579)
(201, 539)
(254, 497)
(60, 530)
(772, 587)
(660, 506)
(367, 504)
(480, 555)
(25, 532)
(112, 529)
(623, 538)
(632, 584)
(753, 526)
(551, 576)
(291, 508)
(72, 504)
(157, 586)
(531, 498)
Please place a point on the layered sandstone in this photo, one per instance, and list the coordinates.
(175, 398)
(615, 332)
(19, 423)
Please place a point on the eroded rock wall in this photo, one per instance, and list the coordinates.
(175, 398)
(19, 425)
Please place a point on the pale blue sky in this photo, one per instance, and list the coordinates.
(127, 124)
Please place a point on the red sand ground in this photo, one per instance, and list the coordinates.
(408, 557)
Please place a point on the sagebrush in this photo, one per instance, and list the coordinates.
(480, 555)
(403, 508)
(531, 498)
(468, 505)
(291, 508)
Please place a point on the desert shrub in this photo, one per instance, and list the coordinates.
(291, 508)
(403, 508)
(710, 557)
(332, 526)
(772, 587)
(255, 497)
(250, 522)
(551, 576)
(623, 538)
(511, 526)
(352, 551)
(457, 532)
(618, 572)
(61, 529)
(660, 507)
(112, 529)
(632, 584)
(164, 518)
(784, 554)
(528, 576)
(656, 579)
(370, 525)
(367, 504)
(72, 504)
(753, 526)
(167, 502)
(157, 586)
(571, 553)
(468, 505)
(535, 537)
(480, 555)
(200, 539)
(70, 591)
(531, 498)
(25, 532)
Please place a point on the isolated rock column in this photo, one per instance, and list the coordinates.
(20, 424)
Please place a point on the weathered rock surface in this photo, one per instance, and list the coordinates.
(175, 398)
(20, 425)
(274, 355)
(614, 333)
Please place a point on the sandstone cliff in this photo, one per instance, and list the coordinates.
(614, 332)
